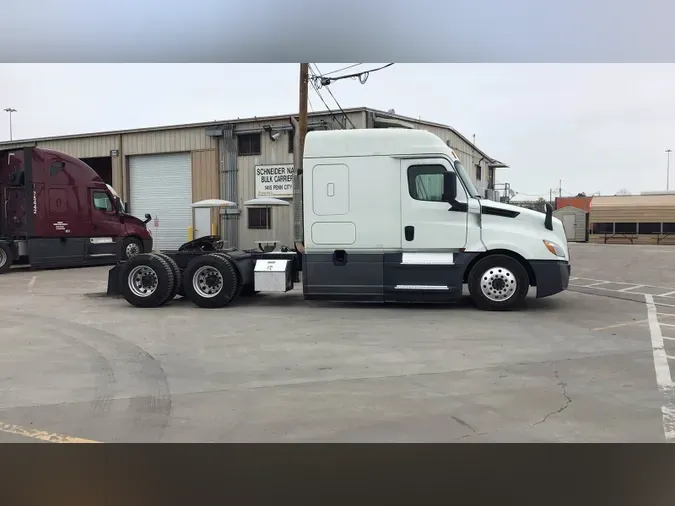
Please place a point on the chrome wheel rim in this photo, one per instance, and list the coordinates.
(3, 257)
(132, 250)
(207, 282)
(143, 281)
(498, 284)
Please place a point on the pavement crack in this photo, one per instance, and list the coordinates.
(463, 423)
(566, 402)
(471, 435)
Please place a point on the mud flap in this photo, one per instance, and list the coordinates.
(114, 281)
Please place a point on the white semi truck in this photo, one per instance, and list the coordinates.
(389, 215)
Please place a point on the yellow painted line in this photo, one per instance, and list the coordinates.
(637, 322)
(42, 435)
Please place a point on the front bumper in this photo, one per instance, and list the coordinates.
(147, 245)
(551, 276)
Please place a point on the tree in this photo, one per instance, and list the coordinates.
(623, 191)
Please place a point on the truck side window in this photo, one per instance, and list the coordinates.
(425, 182)
(55, 168)
(102, 202)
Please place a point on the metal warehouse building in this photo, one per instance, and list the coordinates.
(162, 170)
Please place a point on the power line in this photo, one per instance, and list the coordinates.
(342, 69)
(324, 102)
(335, 99)
(362, 76)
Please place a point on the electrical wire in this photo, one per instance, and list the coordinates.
(342, 69)
(362, 76)
(324, 102)
(335, 99)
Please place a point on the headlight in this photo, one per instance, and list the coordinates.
(554, 248)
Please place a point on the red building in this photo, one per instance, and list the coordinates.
(583, 203)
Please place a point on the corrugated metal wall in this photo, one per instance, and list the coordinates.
(633, 209)
(629, 209)
(168, 141)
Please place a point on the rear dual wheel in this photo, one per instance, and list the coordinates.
(148, 280)
(178, 286)
(211, 281)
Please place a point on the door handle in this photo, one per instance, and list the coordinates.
(409, 233)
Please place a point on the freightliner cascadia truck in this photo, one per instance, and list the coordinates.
(388, 215)
(57, 212)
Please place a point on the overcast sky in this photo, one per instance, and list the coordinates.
(599, 128)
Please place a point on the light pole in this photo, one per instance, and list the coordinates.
(668, 151)
(10, 111)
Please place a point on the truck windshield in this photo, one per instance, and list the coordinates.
(464, 176)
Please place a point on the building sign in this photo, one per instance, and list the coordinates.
(274, 181)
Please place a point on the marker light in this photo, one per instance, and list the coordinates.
(554, 248)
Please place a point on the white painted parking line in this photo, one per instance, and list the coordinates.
(630, 288)
(668, 338)
(616, 325)
(661, 368)
(668, 423)
(668, 324)
(667, 294)
(50, 437)
(596, 286)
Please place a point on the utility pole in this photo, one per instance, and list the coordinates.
(304, 92)
(300, 131)
(668, 151)
(10, 111)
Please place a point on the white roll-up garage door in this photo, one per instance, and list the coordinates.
(161, 185)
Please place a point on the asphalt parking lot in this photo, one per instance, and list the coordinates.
(588, 365)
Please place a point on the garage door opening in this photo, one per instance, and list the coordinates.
(102, 165)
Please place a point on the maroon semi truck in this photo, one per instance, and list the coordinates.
(57, 212)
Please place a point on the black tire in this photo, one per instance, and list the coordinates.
(177, 274)
(501, 277)
(129, 245)
(242, 291)
(6, 257)
(159, 281)
(221, 271)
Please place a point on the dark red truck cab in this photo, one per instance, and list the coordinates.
(57, 212)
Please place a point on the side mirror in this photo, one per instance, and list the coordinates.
(147, 218)
(449, 187)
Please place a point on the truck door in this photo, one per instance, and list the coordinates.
(428, 224)
(432, 235)
(106, 225)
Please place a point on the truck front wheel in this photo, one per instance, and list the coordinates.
(6, 258)
(498, 283)
(131, 247)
